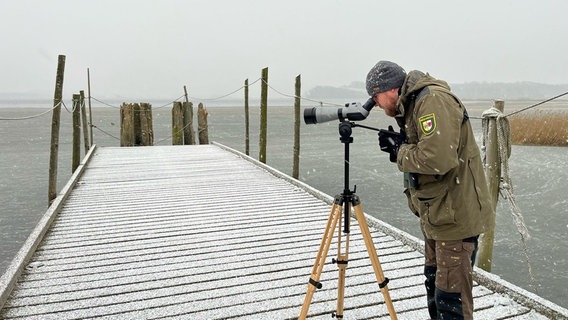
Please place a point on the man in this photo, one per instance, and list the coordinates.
(444, 179)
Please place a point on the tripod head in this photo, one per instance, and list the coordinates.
(345, 131)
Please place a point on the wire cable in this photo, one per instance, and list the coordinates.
(32, 116)
(28, 117)
(104, 103)
(537, 104)
(302, 98)
(101, 130)
(225, 95)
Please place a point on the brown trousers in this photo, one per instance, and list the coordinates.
(448, 269)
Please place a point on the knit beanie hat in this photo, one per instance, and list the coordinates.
(384, 76)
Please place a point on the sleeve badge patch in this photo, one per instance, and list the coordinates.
(428, 123)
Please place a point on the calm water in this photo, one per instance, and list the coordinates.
(539, 175)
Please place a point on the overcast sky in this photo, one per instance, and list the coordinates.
(150, 49)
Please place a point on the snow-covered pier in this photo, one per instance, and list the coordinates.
(203, 232)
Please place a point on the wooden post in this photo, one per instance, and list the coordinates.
(188, 131)
(263, 116)
(55, 123)
(90, 113)
(76, 154)
(84, 121)
(185, 110)
(296, 165)
(127, 125)
(493, 176)
(136, 127)
(177, 124)
(202, 124)
(247, 123)
(185, 93)
(136, 124)
(146, 126)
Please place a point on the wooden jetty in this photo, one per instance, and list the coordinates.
(204, 232)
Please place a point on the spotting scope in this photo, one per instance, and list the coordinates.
(352, 111)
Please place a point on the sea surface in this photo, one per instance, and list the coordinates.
(539, 176)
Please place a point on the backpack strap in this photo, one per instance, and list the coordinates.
(426, 90)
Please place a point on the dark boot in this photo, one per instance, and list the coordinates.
(430, 283)
(449, 305)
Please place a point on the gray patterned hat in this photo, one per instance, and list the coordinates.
(384, 76)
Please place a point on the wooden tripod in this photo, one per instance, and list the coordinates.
(345, 202)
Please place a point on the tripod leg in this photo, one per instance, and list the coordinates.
(374, 259)
(322, 254)
(342, 259)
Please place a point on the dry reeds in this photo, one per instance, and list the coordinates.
(544, 128)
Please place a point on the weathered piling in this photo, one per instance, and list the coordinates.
(145, 136)
(90, 111)
(136, 127)
(296, 164)
(202, 124)
(84, 124)
(55, 124)
(76, 154)
(188, 131)
(177, 124)
(493, 176)
(127, 125)
(247, 123)
(263, 116)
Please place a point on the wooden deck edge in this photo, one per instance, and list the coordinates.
(14, 270)
(520, 295)
(491, 281)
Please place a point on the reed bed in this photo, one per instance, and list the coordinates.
(541, 128)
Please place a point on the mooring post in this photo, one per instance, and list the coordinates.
(177, 124)
(188, 130)
(127, 125)
(76, 154)
(202, 124)
(146, 125)
(263, 116)
(247, 124)
(296, 165)
(55, 123)
(137, 137)
(90, 112)
(84, 121)
(493, 176)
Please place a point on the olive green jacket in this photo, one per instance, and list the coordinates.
(451, 196)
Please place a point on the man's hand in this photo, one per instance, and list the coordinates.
(390, 141)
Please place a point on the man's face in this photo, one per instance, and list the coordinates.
(387, 101)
